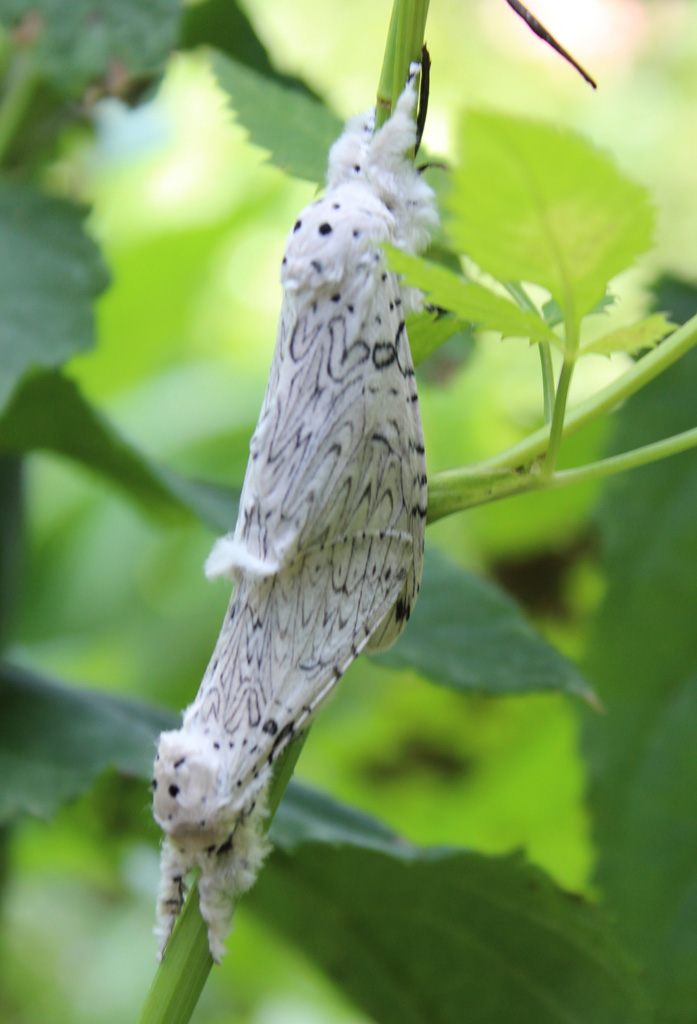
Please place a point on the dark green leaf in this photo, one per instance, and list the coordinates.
(470, 301)
(307, 815)
(48, 412)
(466, 633)
(417, 936)
(643, 658)
(54, 740)
(79, 41)
(533, 203)
(224, 25)
(675, 295)
(50, 273)
(296, 129)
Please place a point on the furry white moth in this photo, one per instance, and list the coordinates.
(327, 552)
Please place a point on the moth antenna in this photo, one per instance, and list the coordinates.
(542, 33)
(432, 164)
(424, 91)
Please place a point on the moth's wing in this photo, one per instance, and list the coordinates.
(287, 640)
(341, 400)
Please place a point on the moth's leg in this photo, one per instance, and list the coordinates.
(217, 902)
(231, 870)
(170, 898)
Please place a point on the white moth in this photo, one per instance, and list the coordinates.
(327, 552)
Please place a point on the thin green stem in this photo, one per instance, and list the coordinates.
(547, 368)
(184, 969)
(518, 469)
(627, 460)
(638, 376)
(458, 490)
(517, 292)
(22, 80)
(556, 431)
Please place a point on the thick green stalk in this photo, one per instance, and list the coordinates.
(405, 40)
(187, 961)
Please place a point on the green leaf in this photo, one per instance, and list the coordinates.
(643, 658)
(468, 634)
(643, 334)
(676, 295)
(533, 203)
(50, 273)
(79, 41)
(48, 412)
(427, 331)
(417, 935)
(54, 740)
(224, 25)
(308, 815)
(553, 314)
(296, 130)
(470, 301)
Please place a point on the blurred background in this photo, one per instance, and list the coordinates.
(192, 222)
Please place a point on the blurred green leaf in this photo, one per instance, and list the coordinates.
(308, 815)
(470, 301)
(54, 740)
(428, 330)
(418, 935)
(50, 273)
(48, 412)
(676, 295)
(466, 633)
(553, 314)
(643, 334)
(296, 129)
(643, 658)
(533, 203)
(79, 41)
(224, 25)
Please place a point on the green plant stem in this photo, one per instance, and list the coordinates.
(22, 78)
(556, 430)
(627, 460)
(638, 376)
(457, 490)
(404, 42)
(517, 469)
(186, 964)
(547, 368)
(517, 292)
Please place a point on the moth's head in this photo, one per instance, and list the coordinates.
(188, 783)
